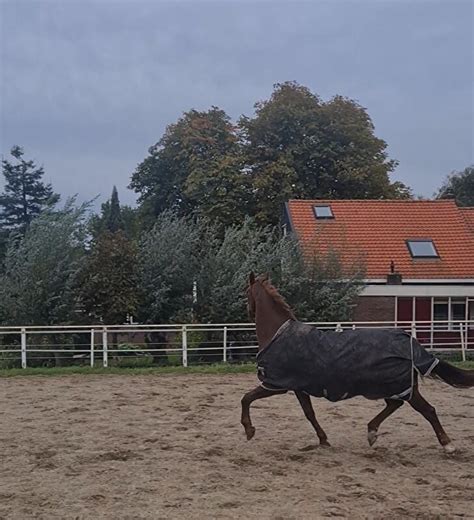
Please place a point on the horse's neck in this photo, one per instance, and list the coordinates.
(268, 319)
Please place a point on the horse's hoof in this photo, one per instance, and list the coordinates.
(449, 448)
(250, 431)
(371, 437)
(325, 444)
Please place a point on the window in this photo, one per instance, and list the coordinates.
(323, 212)
(458, 310)
(446, 310)
(441, 313)
(422, 249)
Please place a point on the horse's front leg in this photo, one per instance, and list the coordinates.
(247, 400)
(305, 402)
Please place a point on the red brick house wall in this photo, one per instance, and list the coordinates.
(374, 308)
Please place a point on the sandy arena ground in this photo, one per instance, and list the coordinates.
(171, 447)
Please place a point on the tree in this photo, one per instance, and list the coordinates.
(168, 263)
(298, 146)
(115, 217)
(25, 195)
(319, 288)
(196, 163)
(460, 186)
(225, 264)
(41, 269)
(108, 282)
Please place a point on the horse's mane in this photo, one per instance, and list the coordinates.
(276, 296)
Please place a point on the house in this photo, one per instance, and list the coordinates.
(418, 255)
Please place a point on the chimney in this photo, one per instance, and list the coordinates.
(393, 278)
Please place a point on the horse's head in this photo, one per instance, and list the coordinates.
(251, 297)
(252, 291)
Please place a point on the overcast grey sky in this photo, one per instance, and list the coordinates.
(87, 87)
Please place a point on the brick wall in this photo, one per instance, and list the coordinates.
(374, 308)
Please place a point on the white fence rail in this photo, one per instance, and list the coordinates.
(147, 345)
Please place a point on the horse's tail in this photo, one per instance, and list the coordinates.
(457, 377)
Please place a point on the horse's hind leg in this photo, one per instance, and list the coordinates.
(429, 413)
(305, 402)
(247, 400)
(374, 424)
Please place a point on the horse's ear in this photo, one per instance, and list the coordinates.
(252, 278)
(266, 277)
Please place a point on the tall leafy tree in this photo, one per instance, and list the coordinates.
(195, 166)
(459, 186)
(295, 145)
(298, 146)
(25, 195)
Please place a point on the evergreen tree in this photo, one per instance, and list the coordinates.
(108, 285)
(114, 217)
(25, 195)
(114, 221)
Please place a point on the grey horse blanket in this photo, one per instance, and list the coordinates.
(374, 363)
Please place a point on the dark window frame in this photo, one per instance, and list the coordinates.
(413, 255)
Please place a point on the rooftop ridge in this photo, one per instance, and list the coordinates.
(372, 201)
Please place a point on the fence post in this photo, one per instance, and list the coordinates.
(184, 345)
(413, 329)
(92, 347)
(224, 342)
(23, 348)
(463, 341)
(338, 328)
(105, 353)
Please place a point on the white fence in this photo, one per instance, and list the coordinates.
(147, 345)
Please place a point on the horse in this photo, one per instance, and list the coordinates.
(367, 349)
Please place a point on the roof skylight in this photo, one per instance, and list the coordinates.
(323, 211)
(422, 249)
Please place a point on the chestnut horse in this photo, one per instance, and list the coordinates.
(270, 311)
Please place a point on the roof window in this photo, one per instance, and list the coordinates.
(422, 248)
(323, 211)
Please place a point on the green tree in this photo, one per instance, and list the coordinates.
(168, 265)
(25, 195)
(115, 217)
(298, 146)
(108, 282)
(225, 264)
(37, 286)
(319, 288)
(459, 186)
(195, 167)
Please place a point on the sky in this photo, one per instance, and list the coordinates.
(86, 87)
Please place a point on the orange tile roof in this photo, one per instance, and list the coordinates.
(468, 214)
(377, 230)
